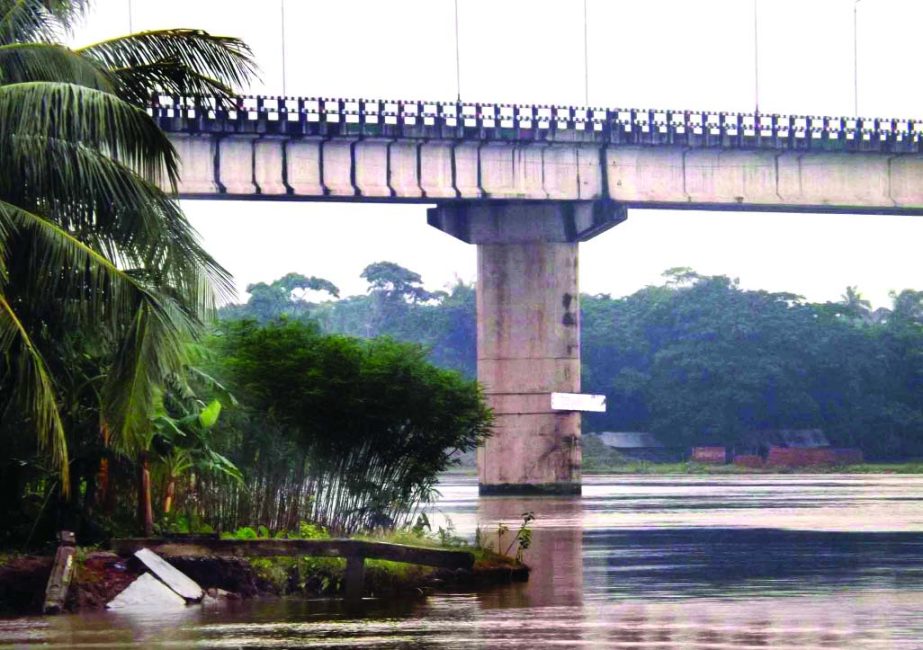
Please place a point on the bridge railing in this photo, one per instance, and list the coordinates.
(331, 117)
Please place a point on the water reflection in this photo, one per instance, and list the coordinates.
(556, 550)
(638, 562)
(734, 562)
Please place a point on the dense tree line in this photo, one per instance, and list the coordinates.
(696, 360)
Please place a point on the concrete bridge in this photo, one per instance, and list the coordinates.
(526, 184)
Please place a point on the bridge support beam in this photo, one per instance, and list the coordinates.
(528, 334)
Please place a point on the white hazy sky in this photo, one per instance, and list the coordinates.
(695, 54)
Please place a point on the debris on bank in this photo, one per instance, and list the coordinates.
(173, 578)
(147, 592)
(163, 586)
(105, 578)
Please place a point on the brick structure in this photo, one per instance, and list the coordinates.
(709, 455)
(792, 457)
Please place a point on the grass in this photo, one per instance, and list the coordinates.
(324, 576)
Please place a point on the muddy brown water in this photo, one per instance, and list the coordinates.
(637, 562)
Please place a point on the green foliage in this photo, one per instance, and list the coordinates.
(521, 540)
(393, 282)
(208, 416)
(183, 523)
(396, 306)
(700, 361)
(368, 425)
(312, 531)
(287, 296)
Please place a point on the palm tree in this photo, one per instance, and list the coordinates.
(855, 305)
(94, 255)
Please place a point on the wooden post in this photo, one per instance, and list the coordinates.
(61, 574)
(354, 578)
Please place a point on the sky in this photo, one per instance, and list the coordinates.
(695, 54)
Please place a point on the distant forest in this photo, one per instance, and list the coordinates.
(696, 360)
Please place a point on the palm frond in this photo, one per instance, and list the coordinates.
(88, 193)
(153, 347)
(152, 350)
(38, 20)
(184, 61)
(35, 387)
(104, 295)
(22, 62)
(137, 84)
(91, 117)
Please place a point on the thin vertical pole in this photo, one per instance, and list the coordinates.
(457, 56)
(131, 22)
(855, 56)
(756, 55)
(282, 21)
(586, 59)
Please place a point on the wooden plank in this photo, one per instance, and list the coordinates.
(60, 579)
(171, 576)
(295, 547)
(354, 578)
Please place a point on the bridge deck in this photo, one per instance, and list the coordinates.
(429, 152)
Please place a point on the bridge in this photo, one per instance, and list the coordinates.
(526, 184)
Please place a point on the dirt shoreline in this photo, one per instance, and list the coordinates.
(102, 575)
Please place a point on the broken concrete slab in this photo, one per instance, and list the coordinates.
(172, 577)
(147, 592)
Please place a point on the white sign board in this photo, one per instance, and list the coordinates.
(578, 402)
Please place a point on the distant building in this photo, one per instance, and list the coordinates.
(709, 455)
(795, 448)
(633, 445)
(762, 441)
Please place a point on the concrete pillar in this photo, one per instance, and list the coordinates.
(529, 347)
(528, 334)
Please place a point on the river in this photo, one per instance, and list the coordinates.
(822, 561)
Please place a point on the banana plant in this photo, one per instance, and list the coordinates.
(184, 443)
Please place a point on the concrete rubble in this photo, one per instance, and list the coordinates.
(162, 586)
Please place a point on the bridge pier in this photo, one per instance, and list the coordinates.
(528, 333)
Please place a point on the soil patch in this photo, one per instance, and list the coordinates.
(99, 578)
(23, 579)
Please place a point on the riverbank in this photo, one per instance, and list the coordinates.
(700, 468)
(101, 575)
(598, 459)
(688, 468)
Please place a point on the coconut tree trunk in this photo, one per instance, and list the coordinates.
(104, 497)
(145, 507)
